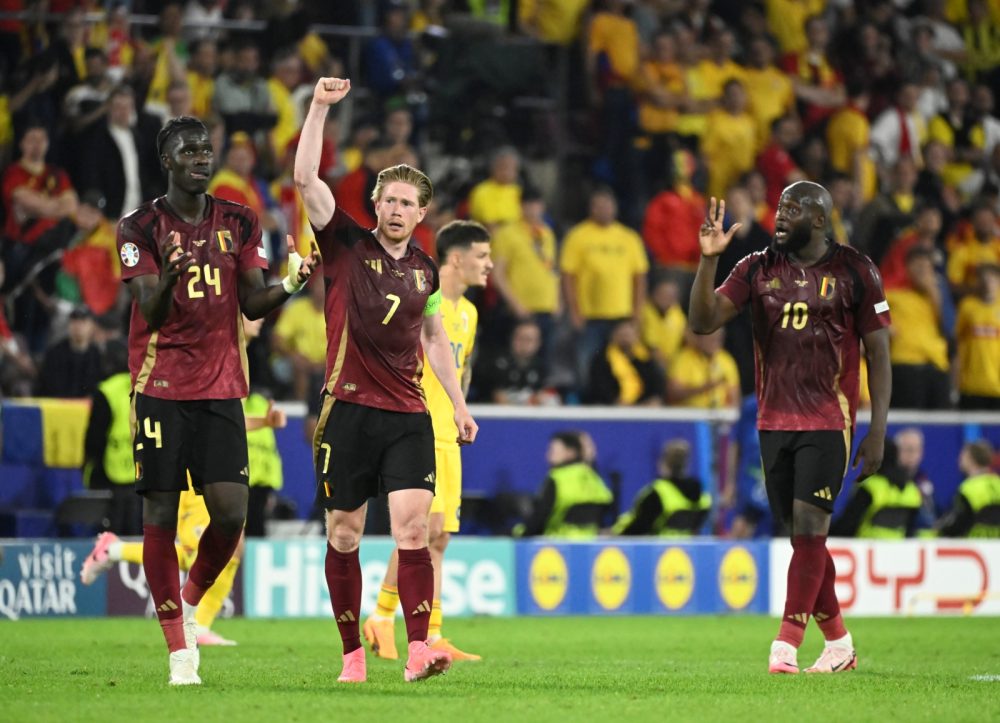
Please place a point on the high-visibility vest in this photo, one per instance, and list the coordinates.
(680, 516)
(982, 492)
(119, 463)
(891, 509)
(578, 489)
(262, 447)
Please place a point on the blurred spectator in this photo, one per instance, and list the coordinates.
(524, 271)
(119, 156)
(391, 63)
(242, 97)
(663, 321)
(17, 370)
(730, 141)
(92, 261)
(889, 212)
(982, 179)
(604, 269)
(497, 199)
(982, 248)
(85, 102)
(179, 101)
(518, 375)
(674, 505)
(703, 374)
(900, 130)
(718, 69)
(848, 136)
(397, 126)
(612, 67)
(673, 216)
(771, 93)
(885, 505)
(108, 462)
(787, 21)
(946, 40)
(910, 453)
(236, 182)
(363, 134)
(663, 92)
(843, 218)
(625, 372)
(201, 19)
(573, 497)
(923, 234)
(919, 350)
(776, 163)
(702, 94)
(952, 128)
(115, 36)
(763, 212)
(286, 76)
(72, 367)
(984, 118)
(818, 86)
(201, 70)
(290, 206)
(551, 21)
(300, 337)
(982, 45)
(354, 191)
(166, 56)
(978, 334)
(977, 502)
(38, 202)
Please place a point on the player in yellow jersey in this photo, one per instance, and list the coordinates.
(464, 256)
(192, 519)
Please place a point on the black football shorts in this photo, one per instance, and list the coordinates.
(807, 466)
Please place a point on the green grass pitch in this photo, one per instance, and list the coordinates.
(564, 670)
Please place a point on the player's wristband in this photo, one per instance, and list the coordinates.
(291, 283)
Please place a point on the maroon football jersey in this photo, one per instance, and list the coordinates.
(199, 352)
(374, 313)
(807, 328)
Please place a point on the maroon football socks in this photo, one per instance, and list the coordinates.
(343, 578)
(416, 591)
(827, 608)
(806, 573)
(159, 563)
(215, 550)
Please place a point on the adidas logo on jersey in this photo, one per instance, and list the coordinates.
(245, 471)
(422, 608)
(824, 494)
(347, 617)
(429, 479)
(375, 264)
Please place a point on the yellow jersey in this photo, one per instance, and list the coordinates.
(529, 254)
(491, 202)
(847, 137)
(604, 261)
(963, 260)
(771, 95)
(730, 148)
(663, 331)
(978, 334)
(916, 337)
(693, 369)
(460, 320)
(302, 327)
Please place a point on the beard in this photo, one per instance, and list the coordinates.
(795, 241)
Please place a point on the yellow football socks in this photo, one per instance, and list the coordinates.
(434, 626)
(388, 601)
(215, 596)
(131, 552)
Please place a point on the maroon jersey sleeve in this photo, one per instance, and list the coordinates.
(342, 231)
(252, 254)
(138, 252)
(736, 287)
(873, 310)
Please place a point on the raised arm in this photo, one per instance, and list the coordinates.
(708, 309)
(316, 195)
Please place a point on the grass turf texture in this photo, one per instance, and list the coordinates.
(555, 669)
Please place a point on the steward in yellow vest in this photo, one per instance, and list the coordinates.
(976, 512)
(573, 498)
(675, 505)
(884, 506)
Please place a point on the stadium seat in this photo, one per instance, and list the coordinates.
(84, 514)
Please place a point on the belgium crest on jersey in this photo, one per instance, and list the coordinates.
(826, 287)
(225, 241)
(419, 279)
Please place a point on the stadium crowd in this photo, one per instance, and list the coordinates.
(587, 137)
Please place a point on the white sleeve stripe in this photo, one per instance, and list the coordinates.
(881, 307)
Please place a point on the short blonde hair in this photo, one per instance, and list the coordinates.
(405, 174)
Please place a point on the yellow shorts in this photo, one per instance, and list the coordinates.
(192, 519)
(448, 484)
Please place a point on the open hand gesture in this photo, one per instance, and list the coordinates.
(175, 261)
(711, 237)
(330, 91)
(305, 266)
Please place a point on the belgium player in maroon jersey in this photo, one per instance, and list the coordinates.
(374, 432)
(812, 302)
(192, 263)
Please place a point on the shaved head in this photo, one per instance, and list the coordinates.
(803, 217)
(811, 194)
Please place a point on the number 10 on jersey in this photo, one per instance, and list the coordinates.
(799, 313)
